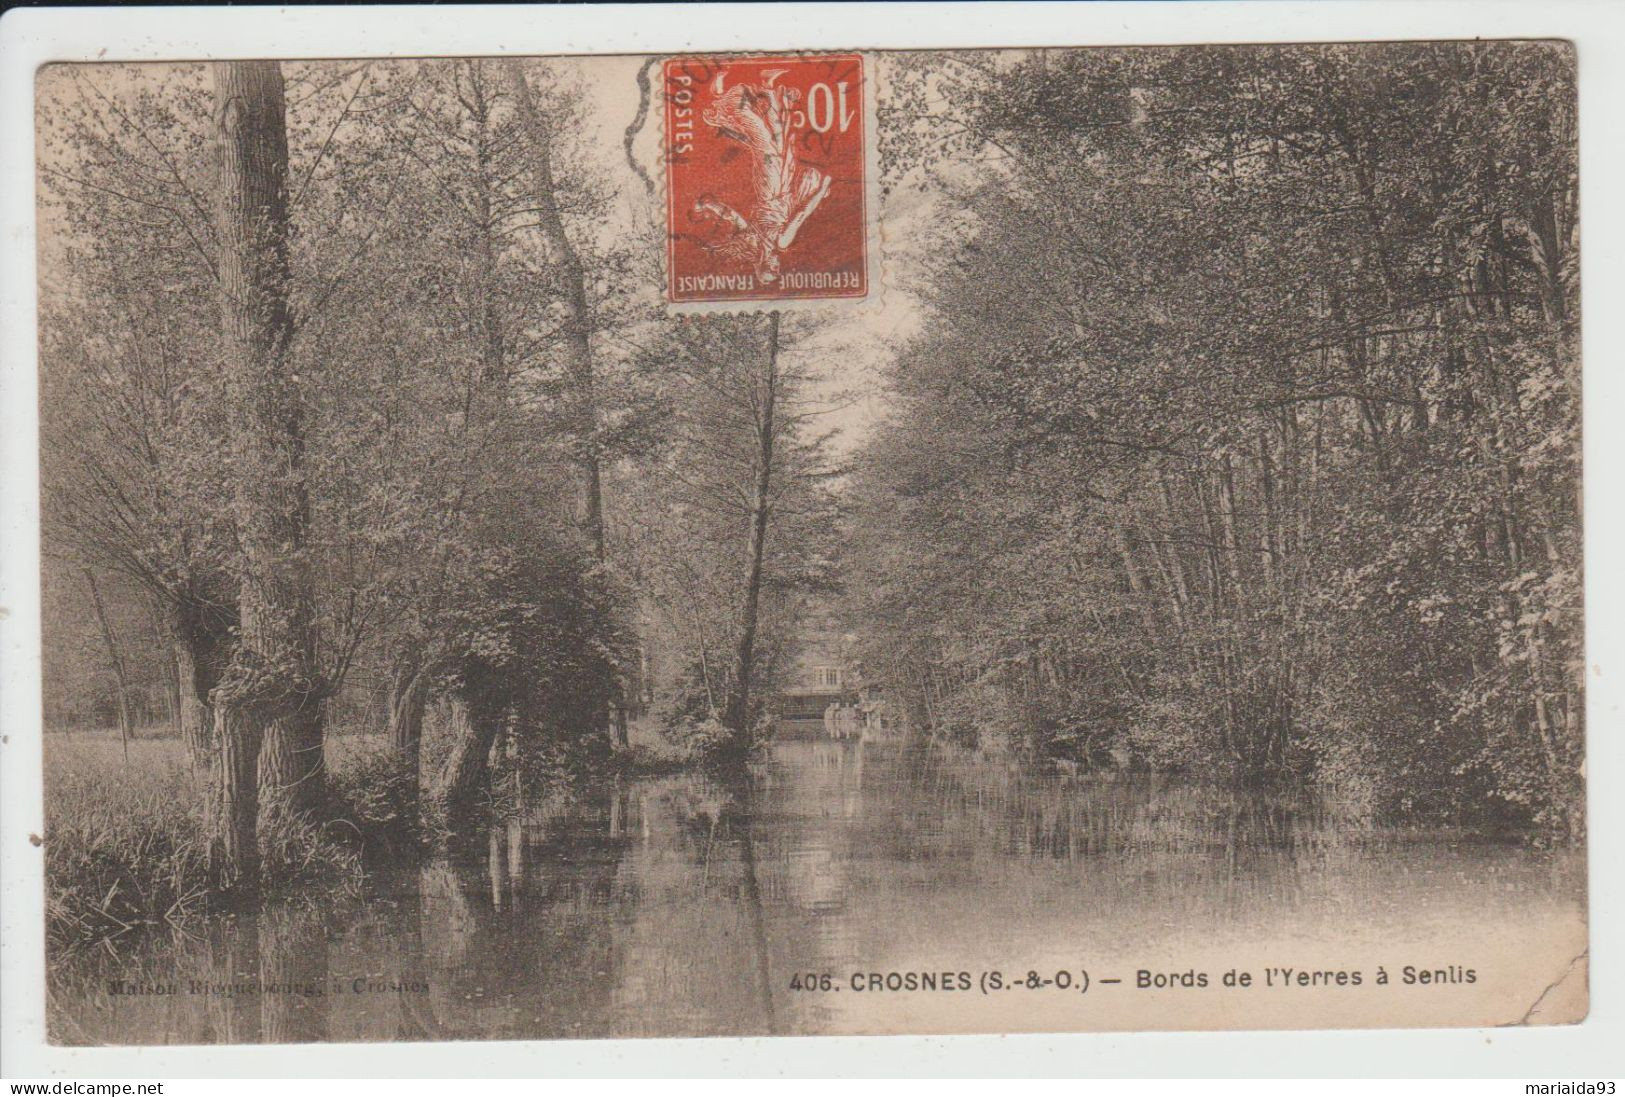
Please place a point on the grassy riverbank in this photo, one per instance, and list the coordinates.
(126, 842)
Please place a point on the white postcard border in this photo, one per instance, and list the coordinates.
(31, 37)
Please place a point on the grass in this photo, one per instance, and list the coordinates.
(123, 846)
(127, 843)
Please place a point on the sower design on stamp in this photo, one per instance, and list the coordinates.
(765, 179)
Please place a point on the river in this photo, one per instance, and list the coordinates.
(870, 887)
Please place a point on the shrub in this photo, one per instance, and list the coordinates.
(373, 802)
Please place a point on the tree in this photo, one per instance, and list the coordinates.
(115, 659)
(1242, 396)
(131, 409)
(577, 324)
(764, 407)
(273, 673)
(730, 524)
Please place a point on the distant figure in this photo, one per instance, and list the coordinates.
(846, 721)
(829, 719)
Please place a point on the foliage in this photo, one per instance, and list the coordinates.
(1243, 436)
(532, 650)
(686, 509)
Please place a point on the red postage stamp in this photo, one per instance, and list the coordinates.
(765, 179)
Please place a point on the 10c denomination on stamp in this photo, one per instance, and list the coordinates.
(766, 179)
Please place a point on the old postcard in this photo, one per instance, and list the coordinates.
(822, 542)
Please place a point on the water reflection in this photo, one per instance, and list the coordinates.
(684, 906)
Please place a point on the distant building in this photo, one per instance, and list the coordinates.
(819, 678)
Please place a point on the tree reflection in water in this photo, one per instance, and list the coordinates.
(683, 905)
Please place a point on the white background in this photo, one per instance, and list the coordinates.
(29, 38)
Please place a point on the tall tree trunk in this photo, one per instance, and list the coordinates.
(1547, 251)
(165, 647)
(622, 720)
(200, 634)
(493, 345)
(115, 659)
(273, 673)
(578, 341)
(239, 731)
(578, 319)
(737, 715)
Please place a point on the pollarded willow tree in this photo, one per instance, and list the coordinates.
(142, 430)
(131, 408)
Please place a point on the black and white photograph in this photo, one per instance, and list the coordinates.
(796, 543)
